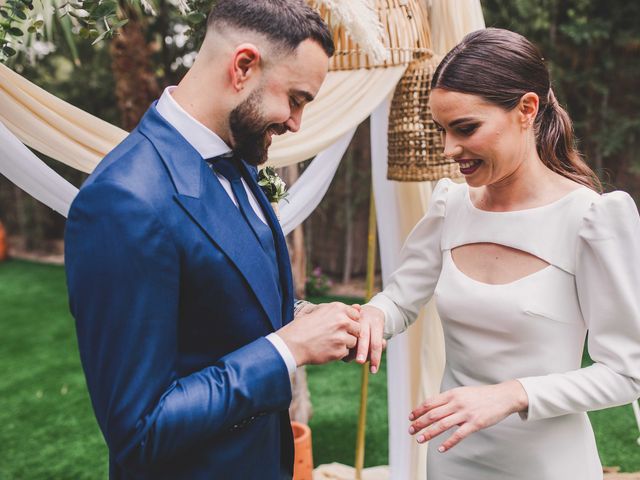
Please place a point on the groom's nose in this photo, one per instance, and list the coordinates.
(294, 122)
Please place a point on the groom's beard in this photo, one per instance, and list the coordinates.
(251, 133)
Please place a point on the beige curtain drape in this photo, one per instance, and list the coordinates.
(74, 137)
(450, 21)
(52, 126)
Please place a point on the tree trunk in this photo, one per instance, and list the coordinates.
(136, 83)
(21, 216)
(348, 213)
(298, 256)
(301, 408)
(598, 160)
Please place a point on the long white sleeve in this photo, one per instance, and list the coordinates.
(413, 283)
(607, 282)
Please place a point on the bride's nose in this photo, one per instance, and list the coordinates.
(451, 150)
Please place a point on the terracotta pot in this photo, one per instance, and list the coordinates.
(303, 461)
(3, 243)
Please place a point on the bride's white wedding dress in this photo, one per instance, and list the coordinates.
(532, 329)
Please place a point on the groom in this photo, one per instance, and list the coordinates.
(177, 269)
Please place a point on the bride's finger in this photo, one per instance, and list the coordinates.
(363, 343)
(460, 434)
(431, 417)
(429, 404)
(377, 345)
(440, 427)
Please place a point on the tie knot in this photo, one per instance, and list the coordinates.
(226, 165)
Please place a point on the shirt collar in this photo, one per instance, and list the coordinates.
(203, 140)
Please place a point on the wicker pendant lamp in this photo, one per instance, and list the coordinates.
(415, 147)
(404, 33)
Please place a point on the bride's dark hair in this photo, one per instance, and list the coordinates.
(501, 66)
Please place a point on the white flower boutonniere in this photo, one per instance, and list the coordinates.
(272, 185)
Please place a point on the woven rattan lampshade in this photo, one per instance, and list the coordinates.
(415, 146)
(406, 34)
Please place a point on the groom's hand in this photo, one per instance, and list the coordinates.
(324, 334)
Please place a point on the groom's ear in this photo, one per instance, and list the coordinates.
(245, 66)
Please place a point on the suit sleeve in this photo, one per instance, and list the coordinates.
(123, 275)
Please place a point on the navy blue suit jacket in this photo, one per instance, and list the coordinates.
(172, 300)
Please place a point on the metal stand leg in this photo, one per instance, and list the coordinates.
(636, 411)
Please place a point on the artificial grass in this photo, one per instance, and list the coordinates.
(49, 431)
(335, 395)
(48, 428)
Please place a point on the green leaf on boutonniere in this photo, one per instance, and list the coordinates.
(272, 185)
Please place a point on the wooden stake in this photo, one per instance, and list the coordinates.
(364, 387)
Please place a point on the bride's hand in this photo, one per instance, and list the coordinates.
(469, 408)
(371, 342)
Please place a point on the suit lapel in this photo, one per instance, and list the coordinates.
(284, 264)
(205, 201)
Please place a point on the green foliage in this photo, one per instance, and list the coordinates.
(593, 50)
(14, 16)
(95, 20)
(197, 19)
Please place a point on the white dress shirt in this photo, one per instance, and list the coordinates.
(210, 145)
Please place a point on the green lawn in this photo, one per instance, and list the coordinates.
(48, 430)
(335, 394)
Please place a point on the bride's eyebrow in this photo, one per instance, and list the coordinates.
(458, 121)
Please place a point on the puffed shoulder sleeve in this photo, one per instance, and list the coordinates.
(414, 282)
(607, 281)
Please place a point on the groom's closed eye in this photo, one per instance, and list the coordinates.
(301, 96)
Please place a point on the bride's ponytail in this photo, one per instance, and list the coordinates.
(556, 144)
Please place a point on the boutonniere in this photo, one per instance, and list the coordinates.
(272, 185)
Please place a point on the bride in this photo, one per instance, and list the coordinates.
(523, 260)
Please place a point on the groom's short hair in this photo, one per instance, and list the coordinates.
(286, 23)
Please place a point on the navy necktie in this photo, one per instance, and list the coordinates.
(228, 167)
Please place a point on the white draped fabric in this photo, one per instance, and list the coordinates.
(398, 379)
(415, 359)
(450, 20)
(308, 191)
(32, 175)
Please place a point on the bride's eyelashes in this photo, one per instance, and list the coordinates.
(468, 129)
(465, 130)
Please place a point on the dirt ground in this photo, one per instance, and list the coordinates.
(611, 473)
